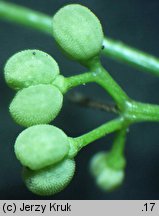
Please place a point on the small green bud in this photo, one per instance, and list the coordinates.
(50, 180)
(38, 104)
(108, 176)
(30, 67)
(78, 32)
(40, 146)
(110, 179)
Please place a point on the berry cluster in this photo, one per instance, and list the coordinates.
(42, 149)
(45, 151)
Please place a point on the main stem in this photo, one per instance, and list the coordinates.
(138, 112)
(26, 17)
(132, 111)
(119, 51)
(110, 85)
(113, 49)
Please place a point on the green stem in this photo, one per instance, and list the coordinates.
(115, 157)
(67, 83)
(137, 112)
(99, 132)
(131, 56)
(80, 79)
(26, 17)
(99, 75)
(119, 142)
(114, 49)
(109, 84)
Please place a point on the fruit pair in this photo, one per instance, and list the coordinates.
(37, 101)
(44, 152)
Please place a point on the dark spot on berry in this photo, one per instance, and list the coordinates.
(34, 53)
(102, 47)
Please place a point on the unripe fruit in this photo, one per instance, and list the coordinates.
(116, 161)
(98, 163)
(30, 67)
(78, 32)
(108, 176)
(110, 179)
(50, 180)
(38, 104)
(40, 146)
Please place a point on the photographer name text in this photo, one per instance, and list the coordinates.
(24, 207)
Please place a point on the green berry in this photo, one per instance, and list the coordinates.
(78, 32)
(50, 180)
(110, 179)
(30, 67)
(116, 161)
(40, 146)
(98, 163)
(108, 176)
(38, 104)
